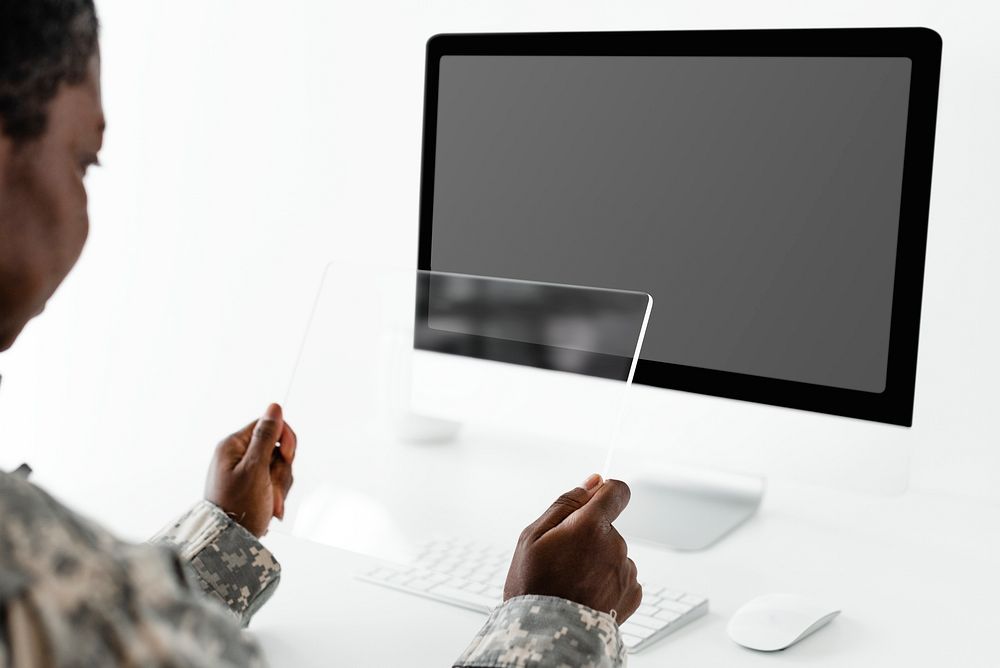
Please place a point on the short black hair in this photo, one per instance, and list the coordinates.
(43, 43)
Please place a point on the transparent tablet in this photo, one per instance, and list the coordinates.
(436, 404)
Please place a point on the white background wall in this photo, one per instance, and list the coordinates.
(251, 142)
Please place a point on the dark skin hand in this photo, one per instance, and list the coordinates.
(572, 551)
(251, 471)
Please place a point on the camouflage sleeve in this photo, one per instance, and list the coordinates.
(72, 594)
(230, 563)
(544, 631)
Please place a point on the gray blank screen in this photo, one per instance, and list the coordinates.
(756, 199)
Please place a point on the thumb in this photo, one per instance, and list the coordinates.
(609, 501)
(265, 434)
(564, 506)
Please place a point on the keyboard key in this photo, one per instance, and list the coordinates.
(645, 620)
(400, 577)
(636, 630)
(675, 606)
(630, 641)
(420, 584)
(651, 600)
(647, 609)
(667, 615)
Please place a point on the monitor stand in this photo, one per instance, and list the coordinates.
(689, 510)
(415, 428)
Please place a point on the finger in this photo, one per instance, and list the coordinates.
(265, 434)
(289, 441)
(565, 505)
(631, 571)
(615, 539)
(281, 483)
(609, 501)
(630, 602)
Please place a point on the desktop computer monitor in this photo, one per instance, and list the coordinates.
(768, 188)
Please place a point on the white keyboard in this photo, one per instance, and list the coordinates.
(471, 575)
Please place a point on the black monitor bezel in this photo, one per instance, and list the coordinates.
(894, 405)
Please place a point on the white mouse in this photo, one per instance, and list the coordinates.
(776, 621)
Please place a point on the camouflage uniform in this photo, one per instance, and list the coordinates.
(73, 595)
(546, 631)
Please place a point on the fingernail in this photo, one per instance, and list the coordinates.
(273, 412)
(592, 481)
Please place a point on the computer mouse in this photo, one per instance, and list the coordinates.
(773, 622)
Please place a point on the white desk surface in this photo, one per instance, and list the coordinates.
(915, 575)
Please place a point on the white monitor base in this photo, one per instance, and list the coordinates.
(690, 511)
(415, 428)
